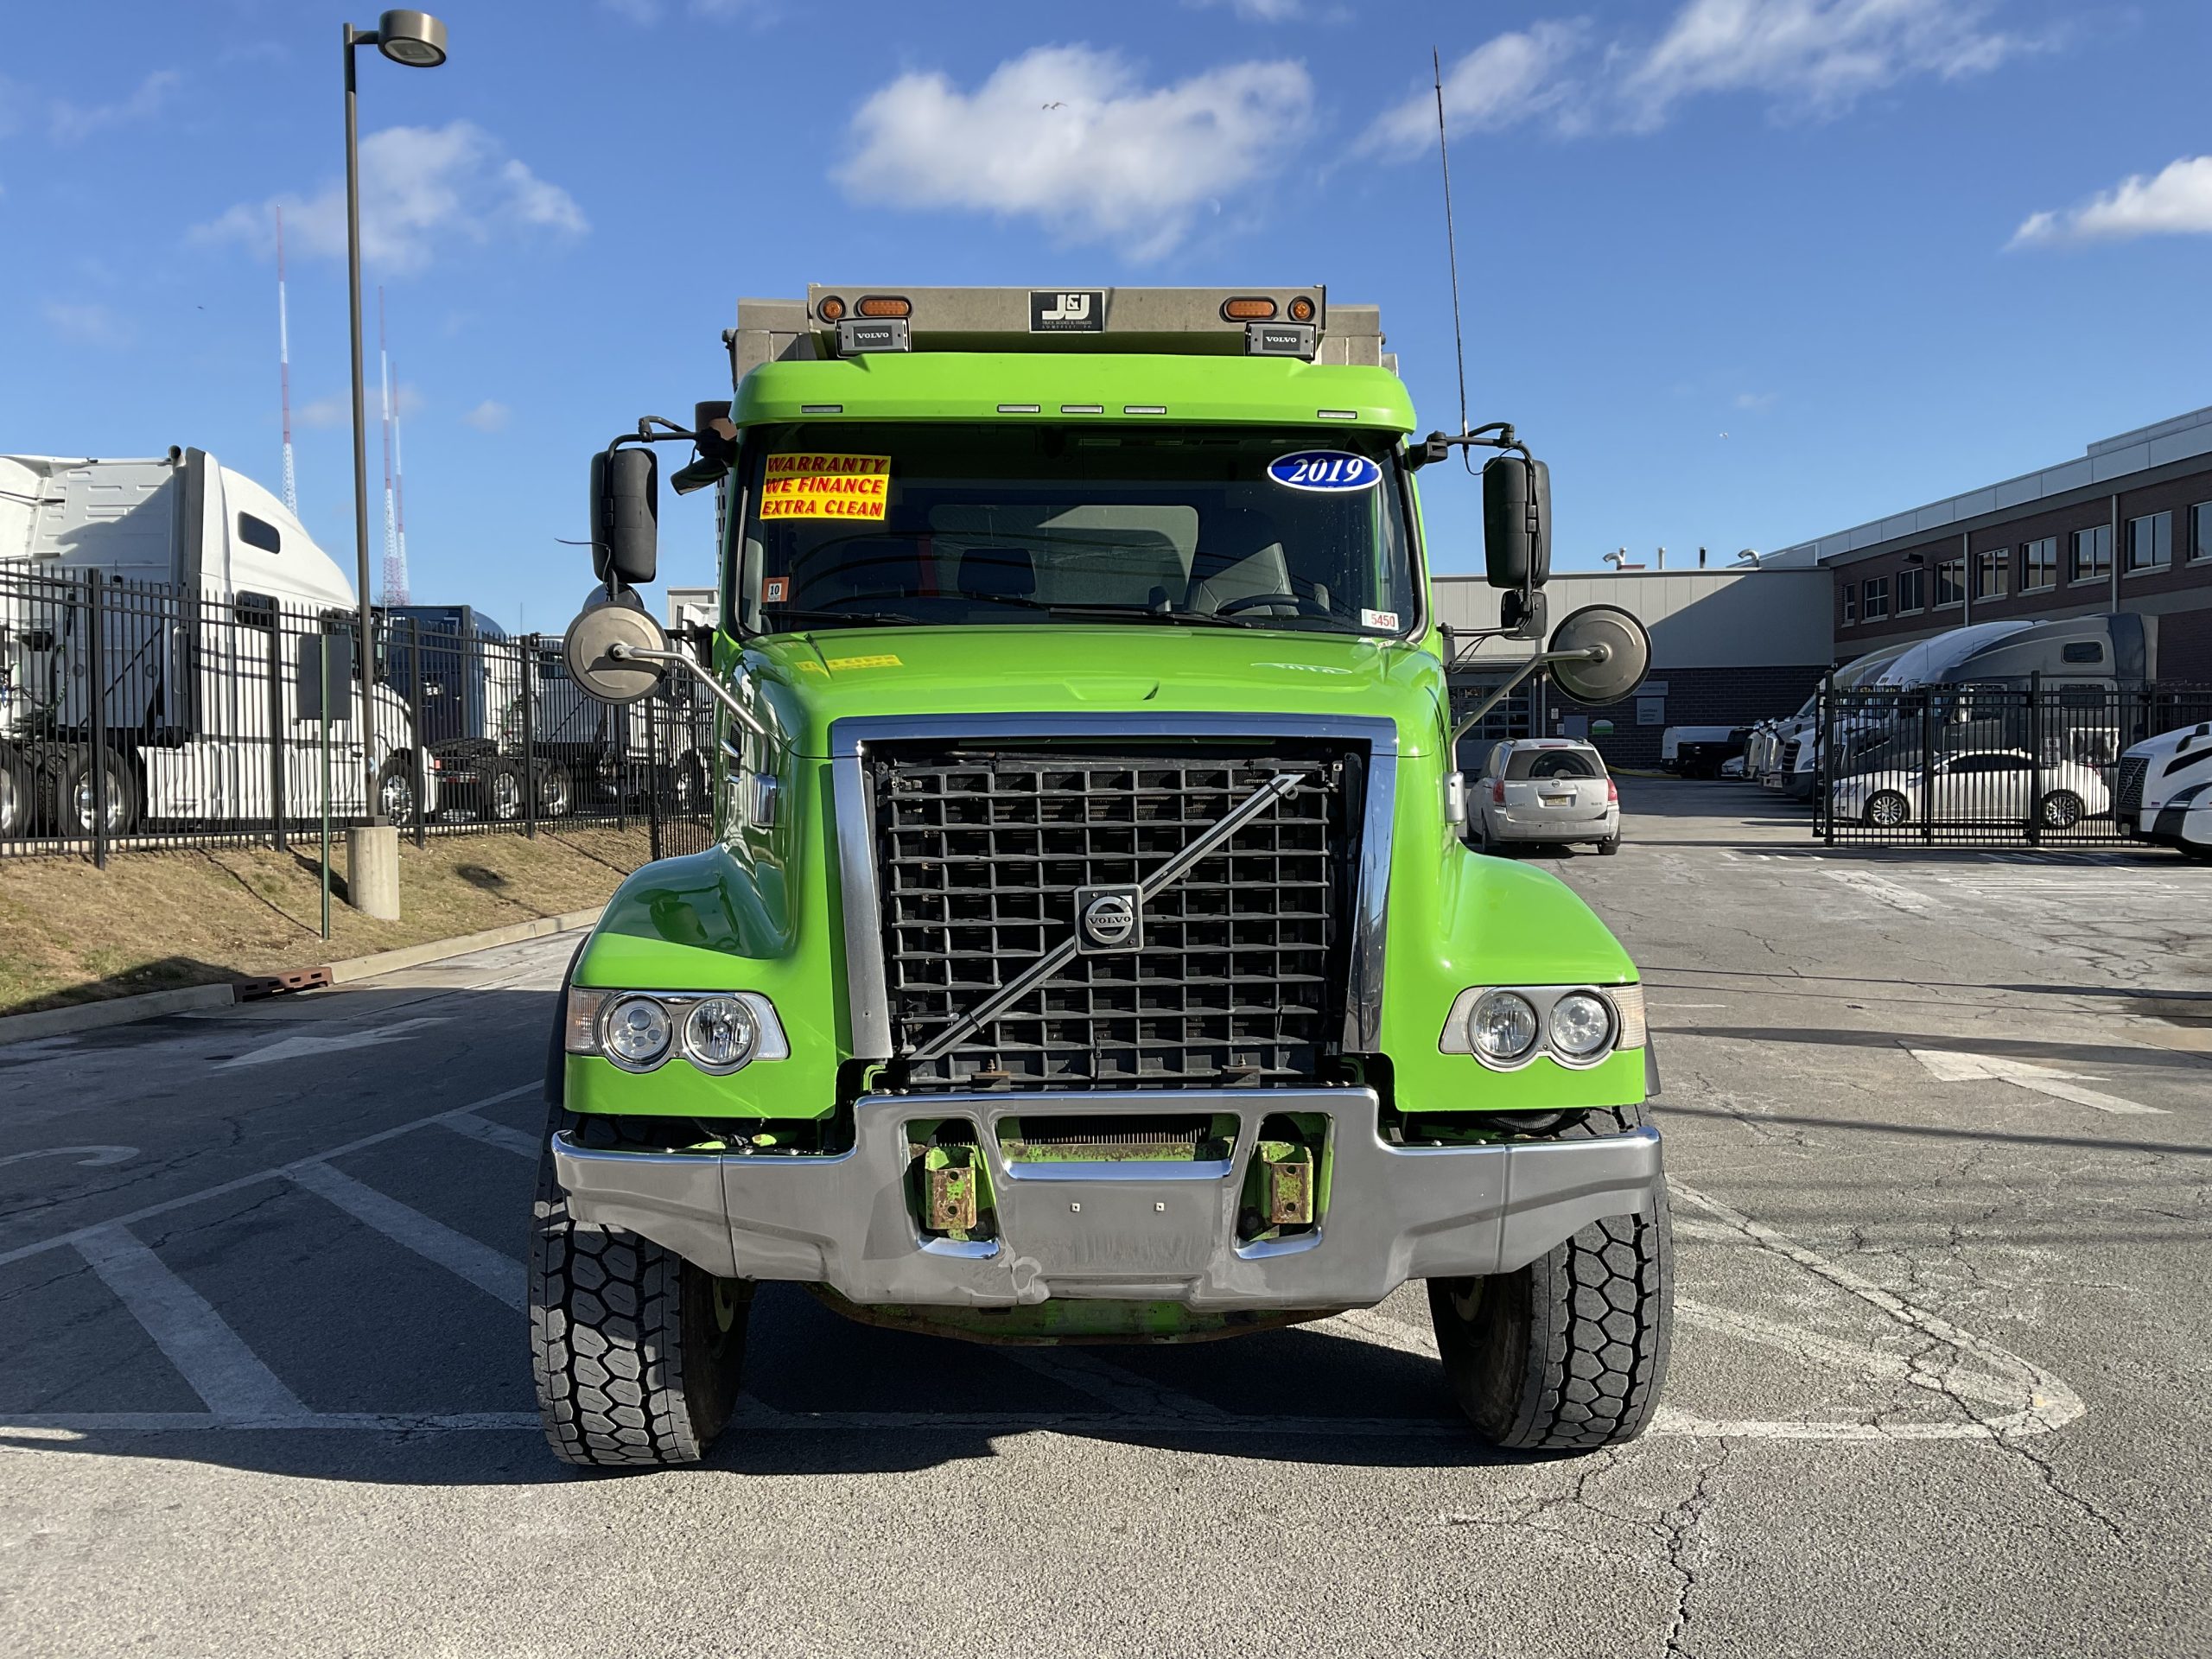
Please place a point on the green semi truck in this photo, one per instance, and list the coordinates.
(1088, 951)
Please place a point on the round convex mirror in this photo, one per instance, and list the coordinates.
(593, 662)
(1619, 671)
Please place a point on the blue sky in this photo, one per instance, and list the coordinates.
(1889, 248)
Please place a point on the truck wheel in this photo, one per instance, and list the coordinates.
(81, 783)
(17, 803)
(555, 793)
(396, 799)
(636, 1350)
(502, 794)
(1569, 1353)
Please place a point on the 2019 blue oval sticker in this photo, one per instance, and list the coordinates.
(1329, 470)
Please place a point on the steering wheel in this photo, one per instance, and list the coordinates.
(1302, 606)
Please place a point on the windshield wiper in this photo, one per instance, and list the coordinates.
(870, 618)
(1118, 612)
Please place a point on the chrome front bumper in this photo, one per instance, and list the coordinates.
(1144, 1232)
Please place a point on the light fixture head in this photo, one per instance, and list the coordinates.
(413, 38)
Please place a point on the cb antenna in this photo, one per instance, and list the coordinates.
(1451, 238)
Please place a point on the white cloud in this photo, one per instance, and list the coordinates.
(73, 122)
(2177, 202)
(422, 189)
(1758, 401)
(14, 98)
(1263, 11)
(87, 323)
(1810, 59)
(1504, 80)
(336, 409)
(1072, 138)
(490, 415)
(1815, 57)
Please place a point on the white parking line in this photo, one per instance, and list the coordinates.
(1949, 1065)
(492, 1135)
(206, 1352)
(482, 1266)
(1895, 894)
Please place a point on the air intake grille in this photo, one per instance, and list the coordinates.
(1240, 978)
(2127, 783)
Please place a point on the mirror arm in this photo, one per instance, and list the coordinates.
(1595, 654)
(739, 712)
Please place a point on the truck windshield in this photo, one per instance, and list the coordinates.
(869, 526)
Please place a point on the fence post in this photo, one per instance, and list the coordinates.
(652, 776)
(1927, 765)
(525, 675)
(96, 670)
(421, 745)
(1824, 762)
(2035, 758)
(279, 826)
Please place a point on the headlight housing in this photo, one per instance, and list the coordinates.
(1508, 1027)
(1503, 1027)
(715, 1032)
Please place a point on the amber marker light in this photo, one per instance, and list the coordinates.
(831, 309)
(1249, 309)
(1301, 309)
(885, 305)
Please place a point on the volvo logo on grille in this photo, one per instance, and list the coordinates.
(1109, 919)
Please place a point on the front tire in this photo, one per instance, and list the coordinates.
(1568, 1353)
(2060, 810)
(1888, 810)
(636, 1351)
(82, 782)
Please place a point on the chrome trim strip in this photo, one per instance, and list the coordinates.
(867, 998)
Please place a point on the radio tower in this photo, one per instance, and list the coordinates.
(395, 571)
(284, 371)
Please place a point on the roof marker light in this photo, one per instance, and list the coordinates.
(1336, 414)
(831, 309)
(1249, 309)
(1144, 409)
(1301, 309)
(821, 409)
(885, 305)
(1083, 409)
(1019, 408)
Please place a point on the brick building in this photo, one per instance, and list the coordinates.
(2126, 526)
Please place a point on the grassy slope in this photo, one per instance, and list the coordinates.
(70, 933)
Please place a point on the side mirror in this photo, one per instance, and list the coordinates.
(1517, 521)
(595, 664)
(625, 516)
(1611, 676)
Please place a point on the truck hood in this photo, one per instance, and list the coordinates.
(810, 680)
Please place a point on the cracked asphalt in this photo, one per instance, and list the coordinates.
(1941, 1132)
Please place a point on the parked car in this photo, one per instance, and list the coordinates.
(1979, 786)
(1544, 789)
(1734, 767)
(1701, 751)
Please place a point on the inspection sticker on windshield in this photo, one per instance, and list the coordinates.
(1379, 620)
(809, 485)
(1324, 469)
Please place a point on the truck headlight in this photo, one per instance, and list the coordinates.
(720, 1034)
(1579, 1026)
(1503, 1026)
(634, 1033)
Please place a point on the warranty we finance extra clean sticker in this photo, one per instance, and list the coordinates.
(814, 485)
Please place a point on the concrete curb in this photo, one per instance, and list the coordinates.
(122, 1010)
(113, 1011)
(414, 956)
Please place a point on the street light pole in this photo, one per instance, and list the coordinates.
(417, 40)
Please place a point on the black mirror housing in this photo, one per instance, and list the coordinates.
(1517, 522)
(625, 516)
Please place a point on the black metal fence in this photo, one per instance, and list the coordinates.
(139, 715)
(1991, 765)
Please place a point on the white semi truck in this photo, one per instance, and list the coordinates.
(152, 618)
(2163, 790)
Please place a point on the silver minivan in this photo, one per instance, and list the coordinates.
(1544, 789)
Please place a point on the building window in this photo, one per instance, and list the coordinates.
(1850, 603)
(2039, 565)
(2149, 542)
(1950, 583)
(1912, 589)
(2200, 538)
(1993, 573)
(259, 532)
(2092, 554)
(1877, 598)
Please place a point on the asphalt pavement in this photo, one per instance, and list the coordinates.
(1940, 1132)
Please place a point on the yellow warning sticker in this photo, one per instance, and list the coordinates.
(881, 660)
(810, 484)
